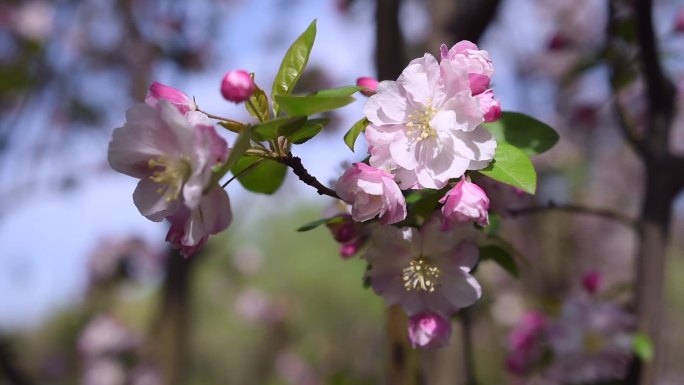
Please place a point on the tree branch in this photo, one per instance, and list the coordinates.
(297, 167)
(468, 353)
(576, 209)
(471, 19)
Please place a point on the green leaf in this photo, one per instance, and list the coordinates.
(324, 221)
(241, 145)
(338, 92)
(524, 132)
(354, 131)
(270, 129)
(302, 134)
(501, 257)
(264, 176)
(257, 105)
(642, 346)
(309, 105)
(233, 126)
(513, 167)
(293, 64)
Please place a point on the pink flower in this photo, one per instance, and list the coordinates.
(591, 281)
(190, 229)
(425, 127)
(181, 101)
(463, 203)
(527, 342)
(105, 335)
(371, 192)
(370, 85)
(237, 86)
(591, 342)
(490, 106)
(679, 20)
(429, 330)
(424, 270)
(173, 156)
(475, 62)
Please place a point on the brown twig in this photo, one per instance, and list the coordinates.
(468, 352)
(297, 167)
(576, 209)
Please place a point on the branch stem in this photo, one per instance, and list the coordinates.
(576, 209)
(298, 168)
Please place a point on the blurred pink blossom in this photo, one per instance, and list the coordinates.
(429, 330)
(181, 101)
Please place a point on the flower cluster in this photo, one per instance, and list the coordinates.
(425, 132)
(590, 341)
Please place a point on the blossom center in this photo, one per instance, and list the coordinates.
(420, 275)
(419, 123)
(592, 342)
(171, 174)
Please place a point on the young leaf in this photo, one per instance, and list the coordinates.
(293, 64)
(513, 167)
(302, 134)
(642, 347)
(258, 100)
(353, 133)
(233, 126)
(324, 221)
(270, 129)
(524, 132)
(309, 105)
(264, 176)
(340, 91)
(501, 257)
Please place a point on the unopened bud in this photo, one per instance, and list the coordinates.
(237, 86)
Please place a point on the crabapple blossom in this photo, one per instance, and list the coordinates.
(172, 155)
(371, 192)
(424, 270)
(370, 85)
(190, 228)
(425, 127)
(490, 106)
(463, 203)
(237, 86)
(475, 62)
(429, 330)
(526, 343)
(591, 341)
(591, 281)
(181, 101)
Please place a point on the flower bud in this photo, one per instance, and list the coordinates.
(237, 86)
(490, 106)
(347, 250)
(345, 231)
(679, 21)
(370, 85)
(465, 202)
(591, 281)
(178, 99)
(429, 330)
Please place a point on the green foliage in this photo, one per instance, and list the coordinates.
(324, 221)
(270, 130)
(501, 257)
(293, 64)
(304, 133)
(354, 132)
(257, 105)
(239, 147)
(259, 175)
(513, 167)
(338, 92)
(642, 347)
(311, 104)
(233, 126)
(524, 132)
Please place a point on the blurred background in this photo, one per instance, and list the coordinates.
(91, 294)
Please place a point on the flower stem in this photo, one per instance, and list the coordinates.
(212, 116)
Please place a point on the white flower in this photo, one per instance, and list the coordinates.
(424, 270)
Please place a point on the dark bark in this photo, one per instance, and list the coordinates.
(390, 53)
(471, 19)
(10, 370)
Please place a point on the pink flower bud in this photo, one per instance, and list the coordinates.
(429, 330)
(371, 192)
(679, 21)
(370, 85)
(181, 101)
(237, 86)
(591, 281)
(558, 42)
(347, 250)
(478, 83)
(465, 202)
(490, 106)
(344, 232)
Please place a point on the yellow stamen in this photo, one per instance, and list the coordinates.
(420, 123)
(421, 275)
(171, 174)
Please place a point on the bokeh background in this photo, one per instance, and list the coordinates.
(84, 277)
